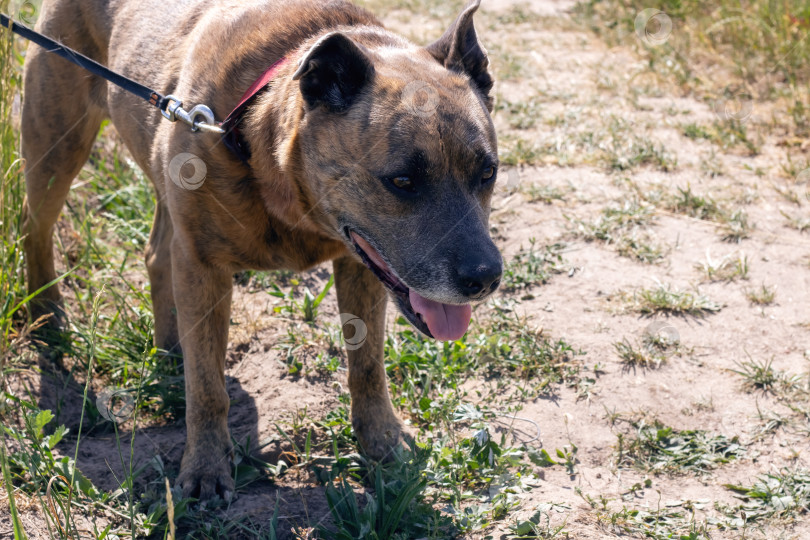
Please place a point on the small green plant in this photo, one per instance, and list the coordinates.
(696, 131)
(521, 114)
(532, 267)
(729, 268)
(761, 375)
(391, 512)
(799, 223)
(641, 247)
(735, 226)
(669, 522)
(538, 526)
(762, 296)
(687, 202)
(775, 495)
(665, 300)
(544, 193)
(625, 216)
(658, 448)
(649, 354)
(307, 308)
(628, 153)
(519, 151)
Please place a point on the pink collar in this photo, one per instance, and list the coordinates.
(232, 137)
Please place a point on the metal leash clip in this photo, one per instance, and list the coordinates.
(200, 117)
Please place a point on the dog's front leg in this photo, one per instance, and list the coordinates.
(203, 297)
(360, 294)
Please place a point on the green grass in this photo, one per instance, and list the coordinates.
(532, 267)
(544, 193)
(652, 350)
(799, 223)
(538, 525)
(659, 449)
(642, 247)
(729, 268)
(784, 494)
(506, 347)
(614, 219)
(667, 520)
(628, 153)
(663, 299)
(761, 375)
(13, 330)
(733, 223)
(626, 225)
(516, 151)
(689, 203)
(521, 114)
(761, 296)
(720, 49)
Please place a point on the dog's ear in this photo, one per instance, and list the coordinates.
(333, 72)
(459, 50)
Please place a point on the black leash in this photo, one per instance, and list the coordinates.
(170, 106)
(53, 46)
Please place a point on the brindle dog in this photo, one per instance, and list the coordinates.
(365, 150)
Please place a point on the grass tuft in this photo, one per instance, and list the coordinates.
(729, 268)
(663, 299)
(762, 296)
(661, 449)
(532, 267)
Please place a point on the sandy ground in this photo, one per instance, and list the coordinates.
(571, 74)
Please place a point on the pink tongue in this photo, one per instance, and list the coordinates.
(446, 322)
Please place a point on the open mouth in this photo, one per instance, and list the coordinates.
(445, 322)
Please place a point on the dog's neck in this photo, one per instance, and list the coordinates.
(270, 128)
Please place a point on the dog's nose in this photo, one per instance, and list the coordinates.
(479, 280)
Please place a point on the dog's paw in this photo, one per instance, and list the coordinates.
(382, 437)
(206, 472)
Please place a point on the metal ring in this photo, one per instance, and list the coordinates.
(197, 111)
(171, 109)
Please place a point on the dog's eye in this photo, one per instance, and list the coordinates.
(489, 174)
(404, 183)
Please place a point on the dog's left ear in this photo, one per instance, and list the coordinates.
(459, 50)
(333, 72)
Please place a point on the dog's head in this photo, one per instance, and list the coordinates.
(400, 154)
